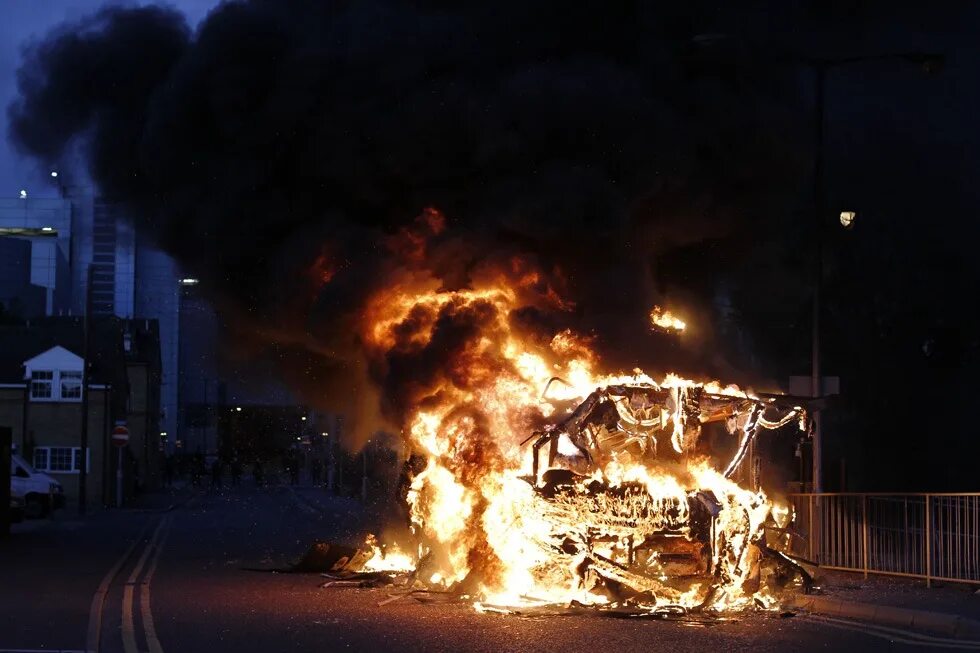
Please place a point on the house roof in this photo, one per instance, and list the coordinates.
(24, 342)
(56, 358)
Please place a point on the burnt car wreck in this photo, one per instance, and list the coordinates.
(629, 504)
(639, 540)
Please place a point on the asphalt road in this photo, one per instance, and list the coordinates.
(181, 587)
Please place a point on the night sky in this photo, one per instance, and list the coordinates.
(647, 153)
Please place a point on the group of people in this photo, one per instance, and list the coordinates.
(200, 472)
(197, 469)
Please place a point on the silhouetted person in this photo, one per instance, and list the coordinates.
(257, 473)
(294, 470)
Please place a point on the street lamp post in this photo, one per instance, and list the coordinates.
(929, 62)
(820, 80)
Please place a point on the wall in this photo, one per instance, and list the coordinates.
(144, 426)
(59, 424)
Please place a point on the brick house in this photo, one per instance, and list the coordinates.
(43, 402)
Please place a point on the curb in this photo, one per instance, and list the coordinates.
(954, 626)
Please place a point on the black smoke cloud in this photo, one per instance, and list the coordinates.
(590, 137)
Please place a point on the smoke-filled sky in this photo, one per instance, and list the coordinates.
(629, 153)
(23, 21)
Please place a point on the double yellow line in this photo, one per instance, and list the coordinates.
(150, 554)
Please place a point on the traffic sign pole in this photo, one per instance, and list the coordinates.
(120, 438)
(119, 479)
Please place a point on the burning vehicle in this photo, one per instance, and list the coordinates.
(615, 492)
(646, 540)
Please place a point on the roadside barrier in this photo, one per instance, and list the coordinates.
(928, 536)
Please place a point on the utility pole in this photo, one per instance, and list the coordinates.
(364, 472)
(330, 458)
(930, 63)
(820, 82)
(86, 354)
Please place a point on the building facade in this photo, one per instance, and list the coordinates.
(43, 228)
(70, 246)
(45, 403)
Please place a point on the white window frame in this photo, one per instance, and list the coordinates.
(71, 379)
(41, 450)
(75, 458)
(56, 385)
(38, 380)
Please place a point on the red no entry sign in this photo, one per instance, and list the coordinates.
(120, 436)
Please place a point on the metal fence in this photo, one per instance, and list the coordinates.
(929, 536)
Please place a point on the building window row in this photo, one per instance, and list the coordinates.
(65, 460)
(56, 385)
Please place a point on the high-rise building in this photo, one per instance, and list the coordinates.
(52, 248)
(156, 295)
(36, 233)
(106, 242)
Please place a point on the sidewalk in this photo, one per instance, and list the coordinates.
(951, 610)
(950, 598)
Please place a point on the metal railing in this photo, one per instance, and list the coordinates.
(929, 536)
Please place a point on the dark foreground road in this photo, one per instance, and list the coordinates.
(180, 587)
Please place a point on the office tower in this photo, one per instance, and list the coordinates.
(35, 246)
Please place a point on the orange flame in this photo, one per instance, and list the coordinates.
(664, 319)
(482, 525)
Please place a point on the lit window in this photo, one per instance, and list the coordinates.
(41, 382)
(71, 385)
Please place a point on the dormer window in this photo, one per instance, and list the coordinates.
(42, 382)
(54, 375)
(71, 385)
(56, 385)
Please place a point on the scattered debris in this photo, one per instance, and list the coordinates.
(319, 558)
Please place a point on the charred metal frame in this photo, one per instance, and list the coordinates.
(688, 403)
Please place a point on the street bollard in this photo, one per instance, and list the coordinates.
(6, 435)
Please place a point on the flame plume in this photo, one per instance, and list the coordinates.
(468, 385)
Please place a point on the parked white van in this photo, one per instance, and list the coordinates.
(41, 492)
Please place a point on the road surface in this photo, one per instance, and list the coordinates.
(174, 581)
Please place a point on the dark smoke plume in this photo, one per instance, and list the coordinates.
(279, 150)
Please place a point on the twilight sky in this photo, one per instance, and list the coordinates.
(621, 148)
(22, 21)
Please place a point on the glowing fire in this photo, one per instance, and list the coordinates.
(664, 319)
(492, 527)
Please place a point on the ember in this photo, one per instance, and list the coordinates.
(549, 483)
